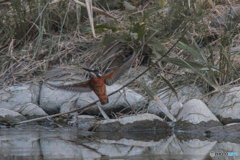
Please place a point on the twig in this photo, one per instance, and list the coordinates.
(91, 104)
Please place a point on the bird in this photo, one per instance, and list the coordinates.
(98, 82)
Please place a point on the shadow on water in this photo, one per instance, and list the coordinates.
(69, 143)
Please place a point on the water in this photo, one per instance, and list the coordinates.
(40, 143)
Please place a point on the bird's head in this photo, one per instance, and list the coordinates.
(93, 71)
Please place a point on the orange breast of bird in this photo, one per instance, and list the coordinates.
(99, 87)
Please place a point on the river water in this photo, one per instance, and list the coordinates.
(34, 142)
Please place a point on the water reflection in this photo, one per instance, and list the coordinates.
(38, 143)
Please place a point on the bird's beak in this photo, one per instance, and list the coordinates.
(88, 69)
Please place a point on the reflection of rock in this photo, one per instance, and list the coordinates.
(139, 122)
(54, 148)
(146, 136)
(19, 143)
(195, 115)
(8, 116)
(115, 149)
(191, 147)
(170, 100)
(184, 147)
(31, 110)
(226, 105)
(226, 147)
(14, 97)
(124, 99)
(229, 132)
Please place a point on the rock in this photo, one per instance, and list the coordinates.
(226, 105)
(195, 115)
(141, 122)
(31, 110)
(85, 122)
(69, 106)
(51, 99)
(14, 97)
(168, 98)
(8, 116)
(133, 73)
(124, 99)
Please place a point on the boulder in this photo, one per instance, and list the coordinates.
(133, 73)
(8, 116)
(14, 97)
(141, 122)
(174, 105)
(226, 105)
(51, 99)
(195, 115)
(31, 110)
(126, 99)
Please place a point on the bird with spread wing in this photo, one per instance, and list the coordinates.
(98, 82)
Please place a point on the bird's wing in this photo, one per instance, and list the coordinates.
(77, 87)
(114, 75)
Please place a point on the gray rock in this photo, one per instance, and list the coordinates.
(14, 97)
(51, 99)
(185, 93)
(124, 99)
(31, 110)
(226, 105)
(140, 122)
(195, 115)
(133, 73)
(8, 116)
(69, 106)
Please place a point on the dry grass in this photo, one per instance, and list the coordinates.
(61, 36)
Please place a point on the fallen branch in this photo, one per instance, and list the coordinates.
(91, 104)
